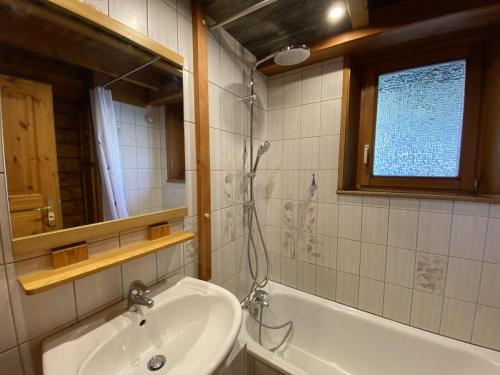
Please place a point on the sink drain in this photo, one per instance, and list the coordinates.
(156, 362)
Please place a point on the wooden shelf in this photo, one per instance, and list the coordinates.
(38, 282)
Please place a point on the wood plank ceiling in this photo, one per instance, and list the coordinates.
(278, 25)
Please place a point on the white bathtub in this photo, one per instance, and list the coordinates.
(332, 339)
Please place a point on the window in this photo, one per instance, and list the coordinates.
(419, 122)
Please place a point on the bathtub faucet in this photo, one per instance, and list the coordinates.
(257, 301)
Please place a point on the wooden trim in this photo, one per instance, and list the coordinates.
(39, 281)
(200, 58)
(398, 32)
(489, 198)
(349, 123)
(23, 246)
(89, 14)
(358, 12)
(465, 179)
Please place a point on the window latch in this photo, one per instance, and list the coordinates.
(366, 150)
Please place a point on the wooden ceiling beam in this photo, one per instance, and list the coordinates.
(377, 37)
(358, 12)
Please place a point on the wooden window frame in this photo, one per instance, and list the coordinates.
(469, 153)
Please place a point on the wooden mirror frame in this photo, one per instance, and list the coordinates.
(35, 245)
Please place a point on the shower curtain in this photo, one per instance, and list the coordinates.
(108, 154)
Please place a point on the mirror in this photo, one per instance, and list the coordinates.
(77, 155)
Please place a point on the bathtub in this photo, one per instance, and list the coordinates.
(332, 339)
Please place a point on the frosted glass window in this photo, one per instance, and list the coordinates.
(419, 117)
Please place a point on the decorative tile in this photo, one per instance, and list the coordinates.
(430, 273)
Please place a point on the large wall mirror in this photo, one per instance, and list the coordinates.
(79, 150)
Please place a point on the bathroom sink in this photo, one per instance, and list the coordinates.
(190, 330)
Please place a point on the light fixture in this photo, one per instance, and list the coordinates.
(336, 12)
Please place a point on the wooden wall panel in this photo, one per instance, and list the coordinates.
(200, 50)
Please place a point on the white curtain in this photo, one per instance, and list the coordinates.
(108, 154)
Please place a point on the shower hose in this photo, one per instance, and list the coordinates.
(252, 212)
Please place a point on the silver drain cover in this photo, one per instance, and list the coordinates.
(156, 362)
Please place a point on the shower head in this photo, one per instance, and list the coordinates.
(263, 148)
(292, 55)
(261, 151)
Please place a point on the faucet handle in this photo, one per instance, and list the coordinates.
(261, 293)
(137, 287)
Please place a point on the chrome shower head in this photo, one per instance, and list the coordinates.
(292, 55)
(263, 148)
(261, 151)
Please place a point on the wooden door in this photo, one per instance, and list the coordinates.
(30, 156)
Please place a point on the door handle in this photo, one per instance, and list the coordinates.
(51, 213)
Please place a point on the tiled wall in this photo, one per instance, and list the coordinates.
(144, 160)
(431, 264)
(229, 65)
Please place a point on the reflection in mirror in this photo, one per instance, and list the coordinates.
(77, 154)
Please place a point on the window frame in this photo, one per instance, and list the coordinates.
(469, 158)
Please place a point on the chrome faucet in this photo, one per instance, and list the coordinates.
(137, 296)
(257, 301)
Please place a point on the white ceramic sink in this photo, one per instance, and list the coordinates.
(193, 324)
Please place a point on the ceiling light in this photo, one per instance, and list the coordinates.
(336, 12)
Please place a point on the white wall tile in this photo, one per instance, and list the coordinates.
(470, 208)
(100, 5)
(213, 60)
(434, 232)
(275, 125)
(8, 336)
(397, 303)
(289, 270)
(325, 282)
(132, 13)
(373, 260)
(90, 293)
(326, 249)
(307, 277)
(310, 120)
(331, 111)
(495, 210)
(487, 327)
(375, 224)
(458, 319)
(403, 228)
(42, 312)
(327, 219)
(350, 222)
(290, 158)
(347, 289)
(162, 24)
(184, 8)
(291, 122)
(436, 205)
(400, 266)
(275, 93)
(292, 89)
(331, 80)
(488, 293)
(327, 186)
(214, 105)
(404, 203)
(328, 152)
(468, 236)
(371, 295)
(348, 256)
(311, 85)
(492, 252)
(426, 311)
(308, 158)
(228, 111)
(463, 278)
(169, 260)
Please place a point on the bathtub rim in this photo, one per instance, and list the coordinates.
(288, 368)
